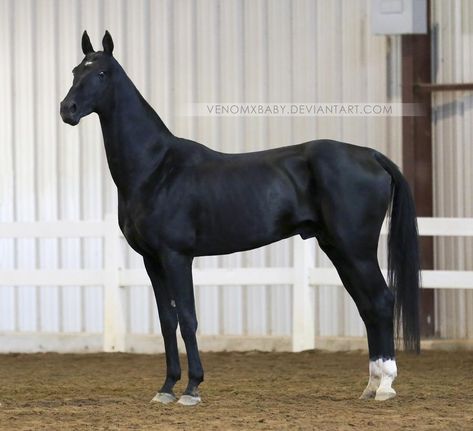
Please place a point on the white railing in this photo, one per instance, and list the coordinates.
(301, 276)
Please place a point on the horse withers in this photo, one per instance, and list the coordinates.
(179, 199)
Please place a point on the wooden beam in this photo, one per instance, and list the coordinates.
(417, 149)
(431, 87)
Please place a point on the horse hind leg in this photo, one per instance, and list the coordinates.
(365, 283)
(378, 319)
(376, 307)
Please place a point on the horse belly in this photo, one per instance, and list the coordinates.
(239, 223)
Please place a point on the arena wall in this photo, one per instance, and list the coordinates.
(207, 51)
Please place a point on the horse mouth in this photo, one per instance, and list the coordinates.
(70, 119)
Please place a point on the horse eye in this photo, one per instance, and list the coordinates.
(101, 75)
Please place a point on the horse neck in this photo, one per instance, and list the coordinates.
(135, 137)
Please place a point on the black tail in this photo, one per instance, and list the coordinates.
(403, 256)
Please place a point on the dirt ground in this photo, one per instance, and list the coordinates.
(244, 391)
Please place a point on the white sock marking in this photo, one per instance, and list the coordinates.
(382, 374)
(388, 374)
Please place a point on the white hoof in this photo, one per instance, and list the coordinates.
(189, 400)
(163, 398)
(385, 394)
(368, 394)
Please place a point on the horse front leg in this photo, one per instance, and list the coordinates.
(180, 270)
(178, 275)
(168, 319)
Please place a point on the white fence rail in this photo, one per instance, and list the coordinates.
(301, 276)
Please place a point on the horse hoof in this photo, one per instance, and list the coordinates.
(368, 394)
(385, 395)
(189, 400)
(164, 398)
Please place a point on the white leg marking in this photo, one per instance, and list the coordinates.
(373, 382)
(388, 374)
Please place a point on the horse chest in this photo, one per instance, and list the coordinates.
(133, 227)
(132, 236)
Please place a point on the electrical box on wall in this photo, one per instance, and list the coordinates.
(399, 16)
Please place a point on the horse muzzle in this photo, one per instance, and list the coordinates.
(69, 112)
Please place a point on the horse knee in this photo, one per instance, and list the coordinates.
(188, 327)
(168, 325)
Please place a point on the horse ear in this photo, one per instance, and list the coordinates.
(107, 43)
(86, 45)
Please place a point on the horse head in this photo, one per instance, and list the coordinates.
(92, 84)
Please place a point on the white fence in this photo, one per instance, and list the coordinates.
(302, 276)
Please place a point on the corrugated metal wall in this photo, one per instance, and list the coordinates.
(176, 52)
(453, 154)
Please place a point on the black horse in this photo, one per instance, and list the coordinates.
(179, 199)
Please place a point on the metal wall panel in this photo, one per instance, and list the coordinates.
(453, 155)
(46, 159)
(176, 52)
(7, 183)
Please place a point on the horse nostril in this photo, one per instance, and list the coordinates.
(73, 108)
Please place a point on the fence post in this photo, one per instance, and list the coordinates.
(303, 323)
(114, 315)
